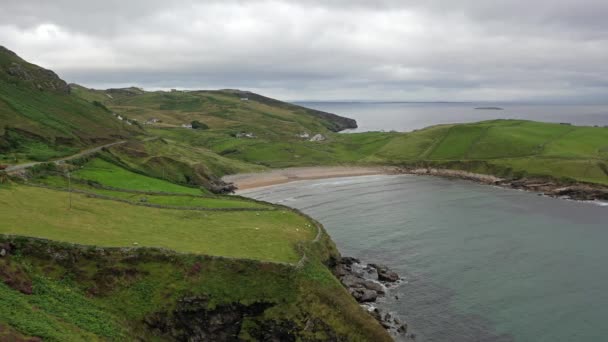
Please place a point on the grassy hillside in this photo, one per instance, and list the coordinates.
(264, 235)
(177, 162)
(65, 293)
(511, 148)
(225, 110)
(40, 119)
(62, 292)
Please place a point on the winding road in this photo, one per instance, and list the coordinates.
(19, 167)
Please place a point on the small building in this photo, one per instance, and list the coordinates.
(187, 125)
(152, 121)
(244, 99)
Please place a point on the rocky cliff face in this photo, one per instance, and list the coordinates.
(193, 320)
(18, 71)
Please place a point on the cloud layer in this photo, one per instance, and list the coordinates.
(397, 50)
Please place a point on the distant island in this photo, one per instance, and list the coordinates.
(490, 108)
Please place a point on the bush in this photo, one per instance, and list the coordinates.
(199, 125)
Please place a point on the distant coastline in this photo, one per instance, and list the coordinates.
(489, 108)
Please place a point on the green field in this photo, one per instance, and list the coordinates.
(108, 174)
(263, 235)
(204, 201)
(511, 147)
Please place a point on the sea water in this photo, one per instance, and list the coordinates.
(481, 263)
(407, 116)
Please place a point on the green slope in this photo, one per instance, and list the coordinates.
(40, 119)
(221, 110)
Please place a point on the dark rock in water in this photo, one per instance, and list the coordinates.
(365, 290)
(376, 314)
(385, 274)
(364, 295)
(389, 276)
(352, 281)
(349, 261)
(342, 270)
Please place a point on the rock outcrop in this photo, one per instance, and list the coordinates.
(193, 320)
(367, 283)
(546, 186)
(21, 71)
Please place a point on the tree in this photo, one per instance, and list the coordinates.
(198, 125)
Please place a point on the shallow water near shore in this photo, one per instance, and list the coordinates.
(481, 263)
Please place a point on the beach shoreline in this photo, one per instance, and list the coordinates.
(548, 187)
(246, 181)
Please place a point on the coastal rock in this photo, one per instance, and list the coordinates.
(389, 322)
(349, 261)
(385, 274)
(352, 281)
(583, 193)
(363, 295)
(363, 283)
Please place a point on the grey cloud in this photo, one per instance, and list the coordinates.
(401, 49)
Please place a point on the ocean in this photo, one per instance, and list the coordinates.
(407, 116)
(480, 263)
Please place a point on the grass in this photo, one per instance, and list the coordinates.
(220, 110)
(176, 161)
(108, 174)
(186, 200)
(56, 313)
(264, 235)
(46, 121)
(510, 147)
(109, 296)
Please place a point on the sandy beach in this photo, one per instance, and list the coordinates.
(259, 179)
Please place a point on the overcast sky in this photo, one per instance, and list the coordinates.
(326, 50)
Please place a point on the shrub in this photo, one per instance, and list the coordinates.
(199, 125)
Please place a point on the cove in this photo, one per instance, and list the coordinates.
(481, 263)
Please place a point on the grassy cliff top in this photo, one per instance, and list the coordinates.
(230, 110)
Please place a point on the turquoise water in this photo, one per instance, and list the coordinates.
(481, 263)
